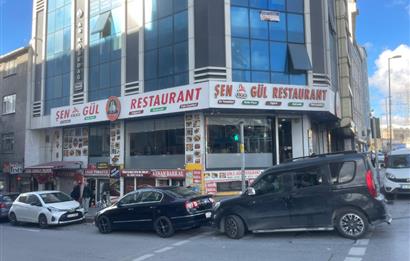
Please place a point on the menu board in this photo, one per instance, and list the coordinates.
(194, 138)
(75, 142)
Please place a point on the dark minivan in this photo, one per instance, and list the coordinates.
(322, 192)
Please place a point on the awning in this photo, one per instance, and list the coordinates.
(52, 166)
(299, 57)
(101, 22)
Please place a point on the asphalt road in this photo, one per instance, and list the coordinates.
(83, 242)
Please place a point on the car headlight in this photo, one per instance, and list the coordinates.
(217, 204)
(390, 176)
(53, 209)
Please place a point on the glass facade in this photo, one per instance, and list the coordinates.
(57, 82)
(259, 47)
(166, 44)
(105, 49)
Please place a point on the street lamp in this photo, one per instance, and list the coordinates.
(390, 128)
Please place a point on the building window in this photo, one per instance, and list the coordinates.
(166, 44)
(161, 142)
(7, 143)
(223, 135)
(9, 68)
(260, 51)
(9, 104)
(99, 141)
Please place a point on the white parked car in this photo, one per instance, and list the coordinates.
(397, 174)
(45, 208)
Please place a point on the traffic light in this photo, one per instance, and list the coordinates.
(236, 137)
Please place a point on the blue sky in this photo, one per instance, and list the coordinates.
(382, 25)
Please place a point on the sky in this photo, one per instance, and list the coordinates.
(382, 27)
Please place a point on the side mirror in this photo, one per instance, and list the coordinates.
(35, 204)
(250, 191)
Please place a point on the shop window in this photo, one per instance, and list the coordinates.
(99, 141)
(9, 104)
(161, 142)
(7, 143)
(223, 135)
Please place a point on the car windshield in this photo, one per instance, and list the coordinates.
(398, 161)
(181, 192)
(55, 197)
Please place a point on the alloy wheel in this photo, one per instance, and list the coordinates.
(352, 224)
(231, 227)
(104, 225)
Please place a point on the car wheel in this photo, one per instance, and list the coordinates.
(13, 219)
(104, 225)
(234, 227)
(351, 223)
(163, 227)
(42, 221)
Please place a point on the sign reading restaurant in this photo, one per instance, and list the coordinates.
(197, 97)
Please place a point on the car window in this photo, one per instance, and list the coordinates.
(398, 161)
(23, 199)
(55, 197)
(33, 199)
(271, 183)
(307, 177)
(150, 196)
(7, 199)
(342, 172)
(131, 198)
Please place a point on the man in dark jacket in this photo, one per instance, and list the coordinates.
(87, 193)
(76, 193)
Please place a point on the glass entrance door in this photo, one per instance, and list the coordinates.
(285, 139)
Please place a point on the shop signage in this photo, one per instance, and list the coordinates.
(213, 177)
(16, 168)
(113, 108)
(229, 95)
(97, 172)
(79, 48)
(39, 171)
(115, 172)
(269, 16)
(102, 165)
(135, 173)
(168, 173)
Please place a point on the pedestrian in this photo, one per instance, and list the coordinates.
(76, 193)
(87, 193)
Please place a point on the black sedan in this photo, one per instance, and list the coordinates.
(164, 209)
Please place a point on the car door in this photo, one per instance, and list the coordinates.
(20, 208)
(33, 208)
(309, 200)
(144, 211)
(123, 215)
(268, 208)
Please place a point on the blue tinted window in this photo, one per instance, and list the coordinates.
(181, 26)
(150, 36)
(150, 10)
(278, 5)
(181, 57)
(59, 18)
(258, 76)
(115, 45)
(298, 79)
(150, 85)
(165, 31)
(105, 75)
(66, 85)
(58, 87)
(278, 56)
(66, 63)
(279, 78)
(67, 15)
(295, 6)
(59, 3)
(180, 5)
(50, 45)
(58, 42)
(240, 53)
(105, 50)
(296, 31)
(164, 8)
(260, 55)
(94, 77)
(165, 61)
(66, 41)
(240, 2)
(259, 28)
(241, 76)
(151, 61)
(181, 79)
(115, 73)
(239, 22)
(51, 5)
(277, 30)
(258, 3)
(51, 22)
(165, 82)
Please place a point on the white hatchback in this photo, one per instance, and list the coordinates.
(45, 208)
(397, 173)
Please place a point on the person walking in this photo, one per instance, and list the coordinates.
(87, 193)
(76, 193)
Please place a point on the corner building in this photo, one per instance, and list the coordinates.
(153, 92)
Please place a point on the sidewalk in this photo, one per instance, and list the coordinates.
(89, 217)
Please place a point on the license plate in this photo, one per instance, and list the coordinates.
(72, 215)
(208, 214)
(405, 186)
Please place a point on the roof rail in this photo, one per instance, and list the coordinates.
(324, 155)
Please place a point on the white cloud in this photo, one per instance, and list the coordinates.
(368, 45)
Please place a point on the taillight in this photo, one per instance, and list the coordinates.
(191, 205)
(212, 200)
(2, 205)
(370, 184)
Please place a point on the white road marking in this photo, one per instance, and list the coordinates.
(357, 251)
(163, 249)
(353, 259)
(362, 242)
(27, 229)
(180, 243)
(143, 257)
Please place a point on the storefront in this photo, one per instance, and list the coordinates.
(134, 179)
(14, 178)
(98, 180)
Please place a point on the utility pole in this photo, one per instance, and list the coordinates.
(242, 150)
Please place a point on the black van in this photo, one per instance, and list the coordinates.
(322, 192)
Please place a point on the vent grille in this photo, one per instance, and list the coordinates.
(209, 74)
(78, 98)
(132, 88)
(39, 5)
(36, 109)
(321, 80)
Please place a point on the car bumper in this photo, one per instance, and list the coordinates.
(65, 218)
(395, 187)
(193, 220)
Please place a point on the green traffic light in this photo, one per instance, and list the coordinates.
(236, 137)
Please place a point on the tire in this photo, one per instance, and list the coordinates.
(42, 221)
(13, 219)
(234, 227)
(163, 227)
(104, 225)
(351, 223)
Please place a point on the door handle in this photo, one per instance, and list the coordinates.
(152, 207)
